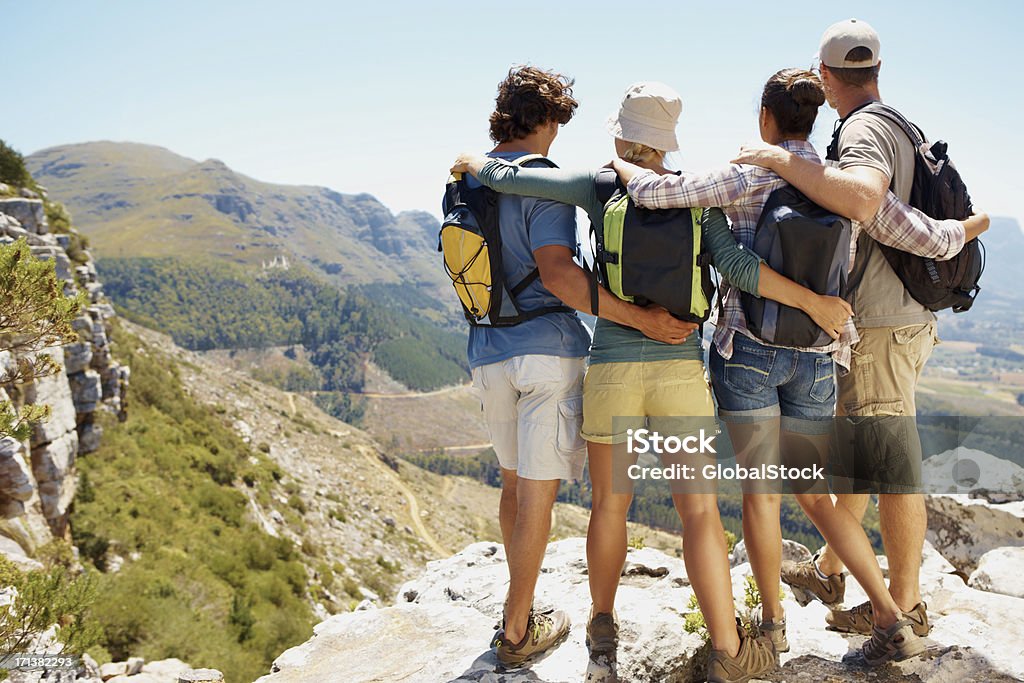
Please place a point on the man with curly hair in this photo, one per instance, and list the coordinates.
(530, 376)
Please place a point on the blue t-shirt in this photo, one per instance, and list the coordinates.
(527, 224)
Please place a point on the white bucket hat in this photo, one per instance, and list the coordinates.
(648, 115)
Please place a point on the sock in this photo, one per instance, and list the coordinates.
(817, 569)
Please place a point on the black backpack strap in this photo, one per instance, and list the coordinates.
(530, 158)
(530, 278)
(606, 184)
(911, 130)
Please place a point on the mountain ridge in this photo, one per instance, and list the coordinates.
(134, 199)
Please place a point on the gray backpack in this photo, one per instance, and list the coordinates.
(810, 246)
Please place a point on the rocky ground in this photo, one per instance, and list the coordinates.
(440, 626)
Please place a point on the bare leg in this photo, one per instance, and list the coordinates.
(846, 538)
(606, 535)
(904, 521)
(707, 566)
(757, 443)
(762, 535)
(508, 506)
(856, 504)
(525, 549)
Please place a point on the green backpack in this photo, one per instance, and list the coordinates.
(647, 256)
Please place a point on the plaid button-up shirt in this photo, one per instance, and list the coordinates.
(741, 191)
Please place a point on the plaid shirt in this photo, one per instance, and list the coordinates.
(742, 191)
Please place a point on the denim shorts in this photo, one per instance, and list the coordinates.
(762, 381)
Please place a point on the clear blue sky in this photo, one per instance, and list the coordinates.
(379, 96)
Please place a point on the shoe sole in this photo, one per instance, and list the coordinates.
(805, 597)
(744, 679)
(899, 656)
(854, 631)
(534, 656)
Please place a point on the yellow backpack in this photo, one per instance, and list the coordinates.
(470, 241)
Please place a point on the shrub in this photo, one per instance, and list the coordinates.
(12, 167)
(36, 314)
(210, 586)
(45, 598)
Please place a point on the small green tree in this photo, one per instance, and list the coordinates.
(35, 315)
(43, 598)
(12, 167)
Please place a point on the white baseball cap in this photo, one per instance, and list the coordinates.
(844, 36)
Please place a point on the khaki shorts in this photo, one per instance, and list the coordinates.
(659, 395)
(533, 408)
(886, 366)
(877, 447)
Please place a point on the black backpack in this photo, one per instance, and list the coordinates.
(649, 256)
(940, 192)
(470, 241)
(809, 245)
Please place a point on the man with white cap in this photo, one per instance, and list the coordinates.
(871, 155)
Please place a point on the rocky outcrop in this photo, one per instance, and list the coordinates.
(966, 526)
(38, 476)
(440, 626)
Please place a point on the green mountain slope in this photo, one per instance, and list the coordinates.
(141, 200)
(205, 304)
(204, 582)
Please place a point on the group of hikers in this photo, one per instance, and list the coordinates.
(548, 410)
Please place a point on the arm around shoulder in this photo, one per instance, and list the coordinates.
(737, 264)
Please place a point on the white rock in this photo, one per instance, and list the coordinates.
(92, 669)
(28, 212)
(10, 549)
(963, 470)
(52, 466)
(111, 669)
(963, 529)
(77, 357)
(200, 676)
(15, 477)
(135, 665)
(169, 668)
(86, 389)
(791, 550)
(55, 392)
(462, 597)
(1000, 571)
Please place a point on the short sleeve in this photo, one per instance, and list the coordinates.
(867, 141)
(550, 223)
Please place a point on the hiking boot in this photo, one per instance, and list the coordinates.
(893, 644)
(861, 620)
(775, 632)
(755, 657)
(603, 636)
(544, 631)
(803, 578)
